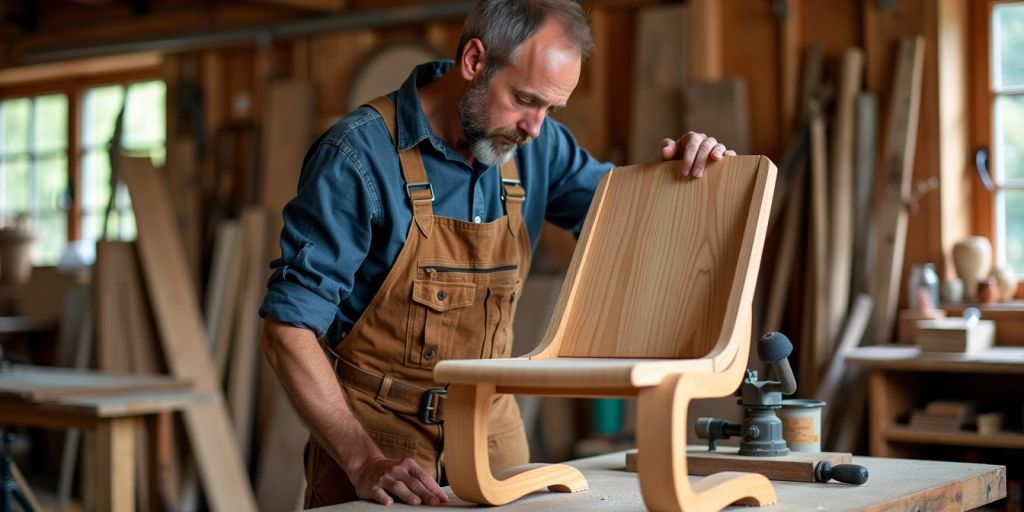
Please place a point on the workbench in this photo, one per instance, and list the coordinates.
(894, 484)
(110, 405)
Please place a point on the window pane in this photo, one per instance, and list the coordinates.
(51, 229)
(1013, 201)
(145, 115)
(95, 180)
(51, 123)
(14, 124)
(99, 113)
(1008, 45)
(15, 183)
(1009, 137)
(52, 176)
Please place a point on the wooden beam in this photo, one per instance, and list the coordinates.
(905, 103)
(316, 5)
(841, 193)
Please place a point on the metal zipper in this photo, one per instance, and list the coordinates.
(467, 270)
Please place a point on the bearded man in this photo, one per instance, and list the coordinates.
(410, 238)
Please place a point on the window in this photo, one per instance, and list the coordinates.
(142, 135)
(1007, 83)
(34, 160)
(34, 169)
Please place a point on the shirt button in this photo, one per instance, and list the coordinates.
(477, 219)
(441, 295)
(429, 354)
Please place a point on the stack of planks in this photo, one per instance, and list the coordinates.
(854, 249)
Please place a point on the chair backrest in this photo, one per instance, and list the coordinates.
(665, 263)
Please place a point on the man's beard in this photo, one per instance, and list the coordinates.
(490, 148)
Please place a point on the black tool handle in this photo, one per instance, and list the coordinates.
(847, 473)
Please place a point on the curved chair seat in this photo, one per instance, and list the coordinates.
(581, 373)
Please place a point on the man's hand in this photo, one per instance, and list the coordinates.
(381, 478)
(695, 150)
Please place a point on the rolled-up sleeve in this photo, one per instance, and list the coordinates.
(326, 237)
(574, 177)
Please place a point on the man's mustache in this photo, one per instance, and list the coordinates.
(520, 137)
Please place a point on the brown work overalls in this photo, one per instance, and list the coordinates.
(451, 294)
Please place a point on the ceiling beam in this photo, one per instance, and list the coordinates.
(317, 5)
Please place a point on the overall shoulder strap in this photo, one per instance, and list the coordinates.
(421, 194)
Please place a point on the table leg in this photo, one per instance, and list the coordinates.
(115, 464)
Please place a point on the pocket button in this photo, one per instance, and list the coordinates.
(429, 354)
(442, 295)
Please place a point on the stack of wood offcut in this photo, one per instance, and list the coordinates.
(943, 415)
(955, 335)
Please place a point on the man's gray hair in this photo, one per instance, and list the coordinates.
(504, 25)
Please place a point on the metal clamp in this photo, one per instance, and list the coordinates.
(430, 406)
(513, 183)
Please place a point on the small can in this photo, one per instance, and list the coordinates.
(801, 424)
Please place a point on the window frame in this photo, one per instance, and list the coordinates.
(74, 87)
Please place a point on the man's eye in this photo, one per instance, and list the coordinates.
(522, 100)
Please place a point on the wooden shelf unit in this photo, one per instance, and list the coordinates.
(905, 434)
(902, 378)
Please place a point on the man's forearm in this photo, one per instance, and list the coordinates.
(309, 380)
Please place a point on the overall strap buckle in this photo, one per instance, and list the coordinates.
(431, 406)
(412, 190)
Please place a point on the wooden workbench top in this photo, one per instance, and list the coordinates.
(894, 484)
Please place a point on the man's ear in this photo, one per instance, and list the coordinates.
(473, 59)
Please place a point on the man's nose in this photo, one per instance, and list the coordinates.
(532, 122)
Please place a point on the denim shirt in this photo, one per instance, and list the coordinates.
(345, 227)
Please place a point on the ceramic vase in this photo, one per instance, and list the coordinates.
(1006, 277)
(972, 258)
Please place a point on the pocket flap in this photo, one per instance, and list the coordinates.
(441, 296)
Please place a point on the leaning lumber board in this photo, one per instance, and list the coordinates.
(828, 388)
(841, 183)
(899, 164)
(795, 467)
(179, 325)
(245, 352)
(658, 77)
(719, 108)
(815, 342)
(864, 172)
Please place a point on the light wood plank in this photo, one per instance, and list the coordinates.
(841, 185)
(658, 77)
(899, 163)
(179, 323)
(245, 357)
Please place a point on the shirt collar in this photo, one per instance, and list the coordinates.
(413, 125)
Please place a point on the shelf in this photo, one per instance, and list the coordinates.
(999, 360)
(902, 433)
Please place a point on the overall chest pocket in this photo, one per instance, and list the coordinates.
(433, 317)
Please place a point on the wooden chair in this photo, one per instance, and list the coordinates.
(657, 306)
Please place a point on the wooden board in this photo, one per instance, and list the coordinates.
(658, 77)
(864, 179)
(899, 163)
(719, 109)
(814, 342)
(175, 305)
(841, 191)
(287, 134)
(39, 383)
(245, 354)
(795, 467)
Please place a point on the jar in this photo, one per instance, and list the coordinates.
(923, 288)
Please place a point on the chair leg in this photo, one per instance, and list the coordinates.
(467, 462)
(664, 482)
